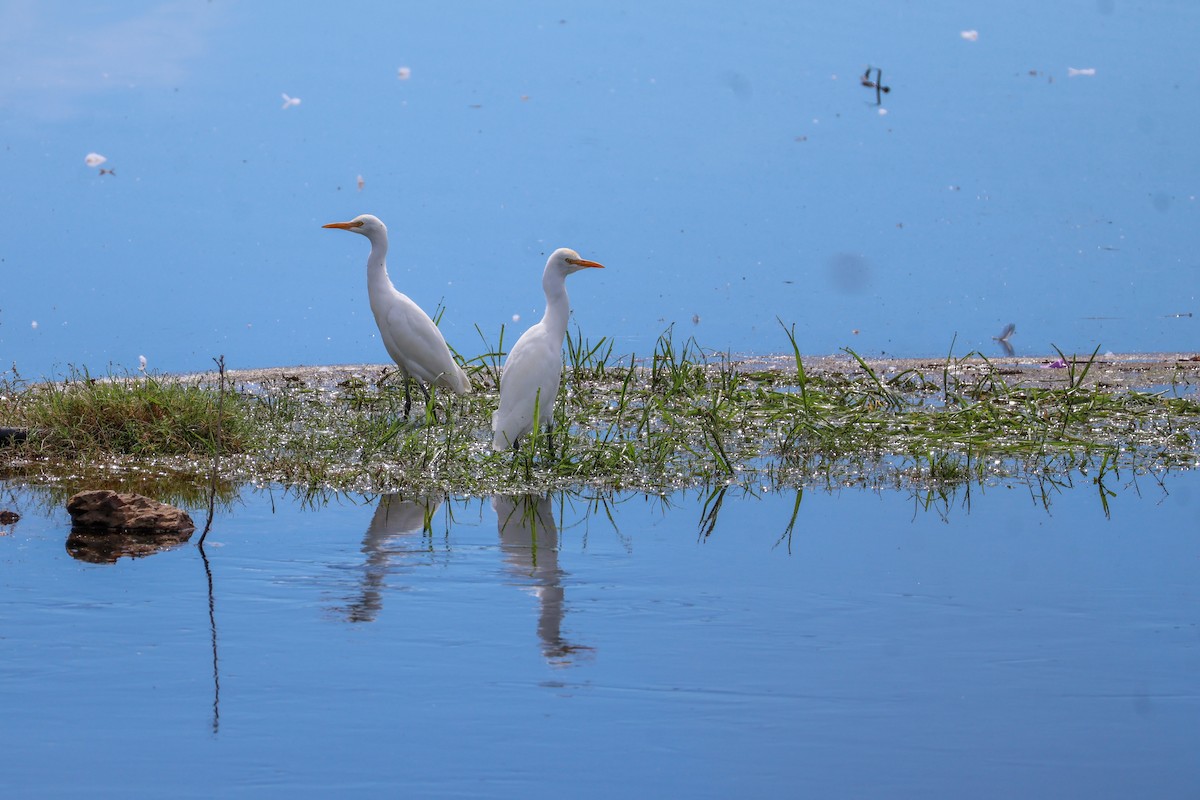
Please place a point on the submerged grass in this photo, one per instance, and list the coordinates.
(683, 418)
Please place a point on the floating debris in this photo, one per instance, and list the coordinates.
(94, 159)
(876, 84)
(1086, 72)
(971, 35)
(361, 183)
(403, 73)
(288, 101)
(1057, 363)
(141, 363)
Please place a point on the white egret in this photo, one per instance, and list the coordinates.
(411, 338)
(533, 368)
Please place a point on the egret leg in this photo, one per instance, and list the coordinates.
(407, 396)
(428, 400)
(550, 441)
(526, 460)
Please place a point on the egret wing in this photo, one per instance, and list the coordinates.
(416, 344)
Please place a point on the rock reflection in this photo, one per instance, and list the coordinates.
(106, 547)
(8, 521)
(529, 540)
(388, 537)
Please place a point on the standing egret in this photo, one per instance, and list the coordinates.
(533, 368)
(411, 338)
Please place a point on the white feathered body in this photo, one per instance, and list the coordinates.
(411, 338)
(530, 378)
(533, 369)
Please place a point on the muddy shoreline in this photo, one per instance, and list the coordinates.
(1145, 371)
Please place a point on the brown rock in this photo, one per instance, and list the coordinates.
(128, 513)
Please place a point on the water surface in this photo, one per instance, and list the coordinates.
(885, 648)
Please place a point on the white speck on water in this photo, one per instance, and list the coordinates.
(1086, 72)
(288, 102)
(516, 317)
(33, 324)
(361, 183)
(142, 363)
(971, 35)
(94, 159)
(403, 73)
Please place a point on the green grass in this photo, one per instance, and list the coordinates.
(148, 417)
(683, 417)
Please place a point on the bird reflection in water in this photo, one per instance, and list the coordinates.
(529, 541)
(389, 538)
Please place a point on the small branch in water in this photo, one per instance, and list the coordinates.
(212, 486)
(212, 501)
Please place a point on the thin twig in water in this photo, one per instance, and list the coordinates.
(212, 627)
(212, 487)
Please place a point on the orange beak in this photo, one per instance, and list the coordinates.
(579, 262)
(343, 225)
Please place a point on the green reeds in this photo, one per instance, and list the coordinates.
(682, 418)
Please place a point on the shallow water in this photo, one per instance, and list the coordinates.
(984, 647)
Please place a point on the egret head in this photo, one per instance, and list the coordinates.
(366, 224)
(567, 261)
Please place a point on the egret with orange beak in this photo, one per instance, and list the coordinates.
(411, 338)
(533, 369)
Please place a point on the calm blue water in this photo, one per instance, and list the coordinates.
(723, 161)
(1003, 650)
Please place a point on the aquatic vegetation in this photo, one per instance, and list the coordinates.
(683, 417)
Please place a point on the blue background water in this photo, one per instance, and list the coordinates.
(723, 161)
(1014, 652)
